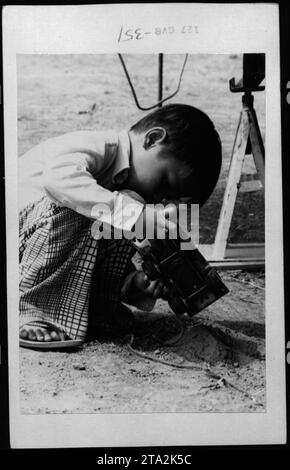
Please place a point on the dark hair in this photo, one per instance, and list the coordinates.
(192, 139)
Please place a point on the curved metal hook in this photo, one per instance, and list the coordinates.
(142, 108)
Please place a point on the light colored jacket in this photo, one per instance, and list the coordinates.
(81, 170)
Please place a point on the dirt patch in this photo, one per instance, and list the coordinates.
(219, 358)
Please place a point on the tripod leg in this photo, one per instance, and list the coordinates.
(236, 165)
(257, 144)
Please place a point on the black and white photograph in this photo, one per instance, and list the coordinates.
(73, 284)
(146, 196)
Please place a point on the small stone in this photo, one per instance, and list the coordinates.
(236, 364)
(79, 367)
(157, 351)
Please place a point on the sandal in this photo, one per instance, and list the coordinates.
(60, 344)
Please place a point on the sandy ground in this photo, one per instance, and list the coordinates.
(220, 358)
(222, 351)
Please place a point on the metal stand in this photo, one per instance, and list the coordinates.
(248, 140)
(161, 100)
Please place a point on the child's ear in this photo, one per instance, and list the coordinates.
(154, 136)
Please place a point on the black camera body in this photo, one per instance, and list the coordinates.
(193, 284)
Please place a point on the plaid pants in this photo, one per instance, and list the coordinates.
(64, 271)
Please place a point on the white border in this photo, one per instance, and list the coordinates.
(222, 28)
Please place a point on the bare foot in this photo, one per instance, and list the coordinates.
(37, 333)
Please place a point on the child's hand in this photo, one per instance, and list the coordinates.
(155, 289)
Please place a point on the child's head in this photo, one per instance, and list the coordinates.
(176, 152)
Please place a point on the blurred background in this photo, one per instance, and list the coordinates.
(64, 93)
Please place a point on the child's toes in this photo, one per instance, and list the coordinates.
(23, 333)
(54, 336)
(31, 334)
(47, 335)
(39, 334)
(57, 335)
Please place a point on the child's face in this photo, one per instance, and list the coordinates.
(157, 176)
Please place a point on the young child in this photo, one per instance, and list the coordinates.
(73, 285)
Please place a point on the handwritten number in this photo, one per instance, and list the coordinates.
(138, 35)
(120, 35)
(130, 34)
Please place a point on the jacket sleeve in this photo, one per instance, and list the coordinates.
(68, 181)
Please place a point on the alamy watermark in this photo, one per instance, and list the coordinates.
(154, 221)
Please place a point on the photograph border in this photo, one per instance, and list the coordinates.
(257, 429)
